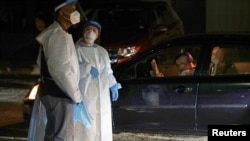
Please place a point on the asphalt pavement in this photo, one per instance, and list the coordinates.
(12, 126)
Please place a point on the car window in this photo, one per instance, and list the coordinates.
(164, 61)
(230, 60)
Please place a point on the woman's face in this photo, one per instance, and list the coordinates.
(91, 28)
(182, 63)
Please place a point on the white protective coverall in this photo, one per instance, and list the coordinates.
(38, 121)
(61, 57)
(96, 91)
(59, 50)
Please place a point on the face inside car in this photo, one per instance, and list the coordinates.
(130, 27)
(218, 88)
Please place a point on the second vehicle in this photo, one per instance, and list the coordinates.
(130, 27)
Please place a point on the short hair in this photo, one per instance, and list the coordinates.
(187, 54)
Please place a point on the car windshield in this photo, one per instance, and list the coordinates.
(119, 23)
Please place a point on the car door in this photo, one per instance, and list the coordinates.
(224, 92)
(149, 102)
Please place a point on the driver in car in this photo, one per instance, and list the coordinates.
(185, 64)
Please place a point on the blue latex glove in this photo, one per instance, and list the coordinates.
(94, 72)
(81, 114)
(114, 91)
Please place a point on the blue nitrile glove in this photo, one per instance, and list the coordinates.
(94, 72)
(81, 114)
(114, 91)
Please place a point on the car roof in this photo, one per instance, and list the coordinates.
(209, 37)
(219, 35)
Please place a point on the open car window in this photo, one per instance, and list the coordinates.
(229, 59)
(162, 61)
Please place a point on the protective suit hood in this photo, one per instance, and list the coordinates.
(44, 36)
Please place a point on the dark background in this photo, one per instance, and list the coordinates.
(17, 29)
(18, 16)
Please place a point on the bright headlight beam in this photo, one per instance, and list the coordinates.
(33, 92)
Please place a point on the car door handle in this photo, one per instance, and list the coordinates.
(182, 89)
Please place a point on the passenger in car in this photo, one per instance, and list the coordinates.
(222, 60)
(185, 64)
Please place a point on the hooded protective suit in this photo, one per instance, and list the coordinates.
(59, 90)
(96, 90)
(60, 55)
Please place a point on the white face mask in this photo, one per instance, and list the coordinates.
(74, 17)
(90, 36)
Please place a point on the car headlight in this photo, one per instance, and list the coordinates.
(33, 92)
(128, 51)
(116, 54)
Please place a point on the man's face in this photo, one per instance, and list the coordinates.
(182, 63)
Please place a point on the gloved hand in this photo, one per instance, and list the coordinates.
(81, 114)
(114, 91)
(94, 72)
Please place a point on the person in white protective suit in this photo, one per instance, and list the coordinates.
(61, 112)
(96, 82)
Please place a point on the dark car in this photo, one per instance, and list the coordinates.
(217, 93)
(131, 26)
